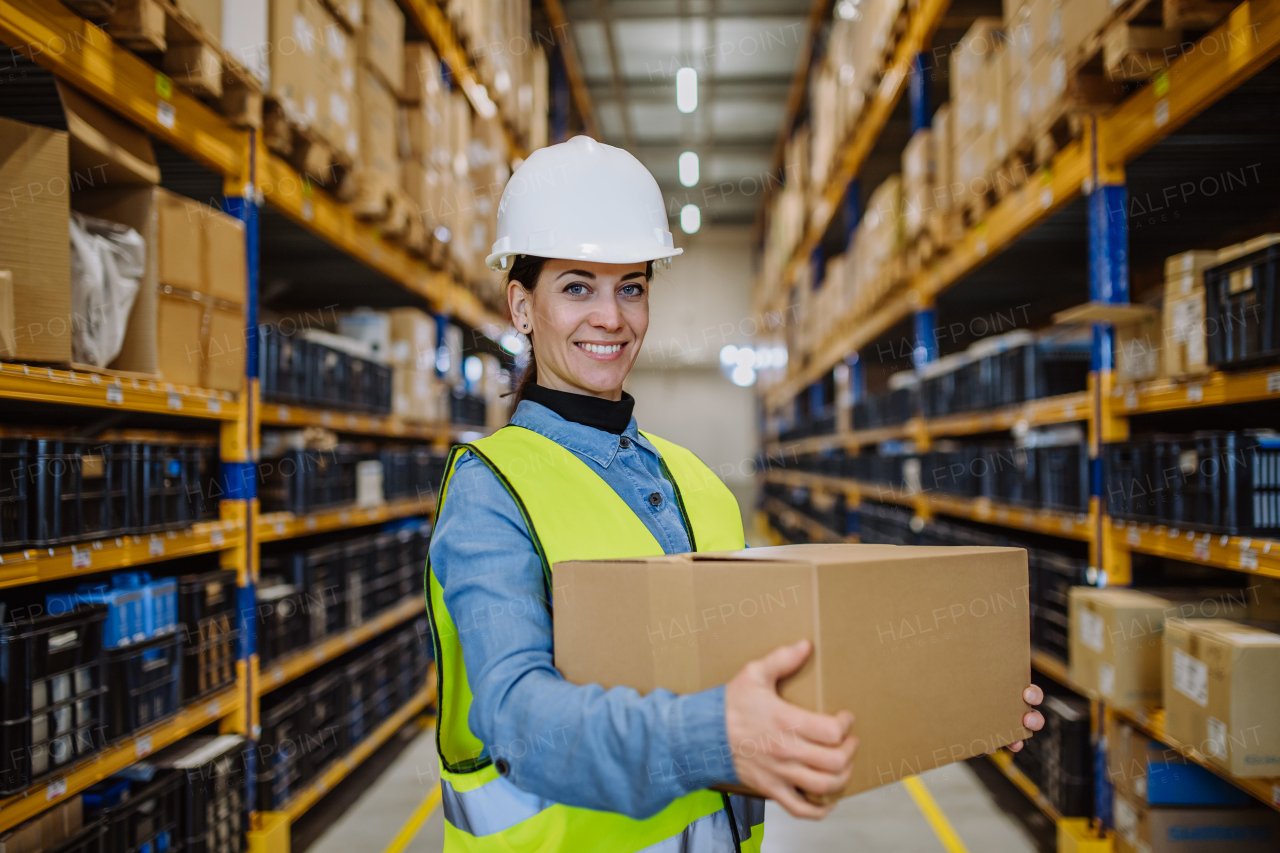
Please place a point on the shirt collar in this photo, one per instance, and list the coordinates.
(597, 445)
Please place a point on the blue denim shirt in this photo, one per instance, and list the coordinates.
(609, 750)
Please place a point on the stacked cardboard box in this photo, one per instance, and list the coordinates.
(500, 41)
(876, 251)
(416, 393)
(976, 88)
(1115, 636)
(380, 79)
(313, 72)
(919, 176)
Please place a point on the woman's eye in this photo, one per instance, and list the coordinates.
(576, 289)
(632, 290)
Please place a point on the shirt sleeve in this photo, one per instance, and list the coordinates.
(610, 750)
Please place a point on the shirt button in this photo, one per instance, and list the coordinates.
(502, 766)
(655, 499)
(624, 442)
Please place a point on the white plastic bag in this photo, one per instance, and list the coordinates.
(107, 260)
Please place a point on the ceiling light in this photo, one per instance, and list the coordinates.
(512, 343)
(687, 90)
(743, 375)
(690, 218)
(689, 168)
(728, 355)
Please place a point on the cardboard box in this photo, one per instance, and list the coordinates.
(224, 348)
(382, 42)
(225, 264)
(421, 72)
(415, 394)
(349, 12)
(1153, 773)
(8, 343)
(898, 632)
(1141, 829)
(246, 35)
(313, 71)
(1114, 648)
(45, 831)
(1184, 272)
(1080, 20)
(181, 249)
(1140, 349)
(179, 338)
(1222, 693)
(413, 338)
(34, 242)
(206, 13)
(1186, 348)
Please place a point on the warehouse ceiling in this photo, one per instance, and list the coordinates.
(745, 53)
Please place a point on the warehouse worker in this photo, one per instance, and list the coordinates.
(529, 761)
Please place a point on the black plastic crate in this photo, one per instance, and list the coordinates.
(306, 480)
(15, 486)
(326, 737)
(283, 365)
(1067, 755)
(213, 815)
(1241, 314)
(77, 490)
(280, 760)
(51, 675)
(467, 409)
(207, 611)
(144, 684)
(1063, 474)
(92, 838)
(885, 524)
(284, 624)
(326, 577)
(146, 821)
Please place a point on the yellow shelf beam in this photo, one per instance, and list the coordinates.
(88, 58)
(1003, 760)
(1247, 41)
(391, 426)
(1239, 553)
(342, 767)
(305, 660)
(1216, 389)
(118, 756)
(285, 525)
(1050, 666)
(1078, 526)
(36, 565)
(86, 388)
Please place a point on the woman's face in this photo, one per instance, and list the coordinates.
(588, 321)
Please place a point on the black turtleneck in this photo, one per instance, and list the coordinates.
(594, 412)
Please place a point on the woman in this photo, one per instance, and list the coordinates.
(529, 761)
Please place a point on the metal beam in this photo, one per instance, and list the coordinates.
(583, 10)
(572, 67)
(615, 67)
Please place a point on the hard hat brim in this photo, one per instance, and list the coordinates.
(496, 260)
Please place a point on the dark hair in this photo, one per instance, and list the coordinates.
(527, 269)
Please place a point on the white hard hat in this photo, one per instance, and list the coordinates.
(582, 200)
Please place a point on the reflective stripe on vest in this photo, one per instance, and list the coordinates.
(572, 513)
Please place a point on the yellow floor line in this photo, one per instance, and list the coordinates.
(937, 820)
(415, 822)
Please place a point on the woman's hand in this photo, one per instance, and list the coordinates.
(816, 750)
(1032, 719)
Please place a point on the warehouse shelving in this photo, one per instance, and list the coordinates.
(390, 426)
(1079, 526)
(342, 767)
(818, 531)
(1003, 760)
(1216, 389)
(74, 387)
(1240, 553)
(274, 526)
(103, 555)
(1245, 42)
(114, 758)
(305, 660)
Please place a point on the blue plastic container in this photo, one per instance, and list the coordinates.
(125, 617)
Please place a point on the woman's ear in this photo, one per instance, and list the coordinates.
(520, 302)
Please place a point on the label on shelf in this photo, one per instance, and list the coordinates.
(1273, 382)
(1249, 560)
(1201, 549)
(80, 559)
(1161, 115)
(175, 401)
(1195, 392)
(279, 528)
(1191, 678)
(155, 547)
(115, 394)
(165, 114)
(1092, 630)
(215, 405)
(142, 746)
(214, 708)
(282, 413)
(216, 539)
(56, 788)
(1133, 537)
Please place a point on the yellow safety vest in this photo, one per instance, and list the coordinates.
(573, 514)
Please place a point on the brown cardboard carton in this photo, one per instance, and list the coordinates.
(7, 342)
(225, 266)
(180, 338)
(413, 338)
(898, 633)
(414, 393)
(1080, 20)
(1184, 272)
(1186, 348)
(206, 13)
(379, 148)
(104, 150)
(1129, 752)
(34, 242)
(1143, 829)
(224, 347)
(181, 249)
(382, 42)
(1115, 644)
(1139, 349)
(1222, 693)
(421, 72)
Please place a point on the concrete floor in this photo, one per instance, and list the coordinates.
(886, 820)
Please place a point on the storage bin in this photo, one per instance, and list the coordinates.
(51, 686)
(280, 758)
(146, 821)
(15, 485)
(1067, 757)
(1242, 322)
(325, 736)
(284, 625)
(467, 409)
(92, 838)
(207, 611)
(213, 809)
(144, 684)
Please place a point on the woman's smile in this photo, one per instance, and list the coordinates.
(602, 350)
